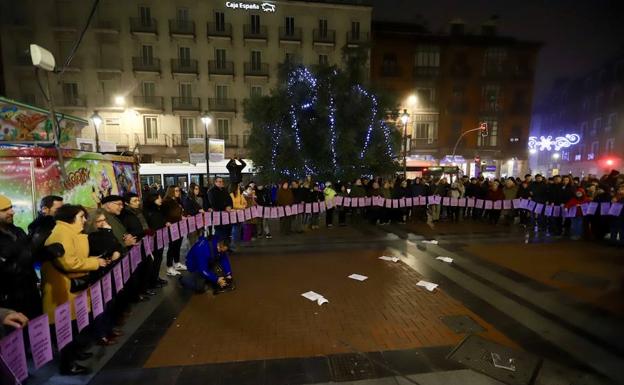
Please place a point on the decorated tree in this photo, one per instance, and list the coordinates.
(323, 123)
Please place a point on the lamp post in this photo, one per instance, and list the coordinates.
(404, 120)
(97, 121)
(206, 119)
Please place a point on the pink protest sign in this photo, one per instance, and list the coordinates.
(147, 244)
(454, 202)
(40, 341)
(233, 217)
(315, 207)
(135, 257)
(422, 200)
(125, 267)
(362, 202)
(225, 218)
(479, 203)
(538, 208)
(248, 214)
(159, 239)
(410, 201)
(604, 208)
(498, 205)
(118, 276)
(295, 209)
(183, 228)
(199, 220)
(274, 213)
(354, 202)
(266, 212)
(14, 355)
(330, 204)
(207, 218)
(388, 203)
(489, 205)
(591, 208)
(62, 325)
(339, 200)
(216, 218)
(96, 299)
(346, 202)
(431, 199)
(322, 206)
(308, 208)
(516, 203)
(165, 236)
(556, 211)
(288, 210)
(175, 231)
(461, 202)
(616, 209)
(402, 202)
(192, 226)
(507, 204)
(240, 216)
(548, 211)
(395, 203)
(446, 201)
(81, 308)
(107, 288)
(280, 211)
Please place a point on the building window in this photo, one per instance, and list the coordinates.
(425, 128)
(389, 65)
(596, 127)
(182, 16)
(255, 24)
(493, 60)
(355, 30)
(220, 21)
(70, 94)
(256, 60)
(187, 127)
(611, 122)
(184, 54)
(223, 129)
(584, 129)
(289, 25)
(426, 97)
(609, 145)
(565, 155)
(427, 56)
(145, 14)
(150, 127)
(147, 54)
(221, 92)
(492, 138)
(323, 28)
(186, 91)
(594, 152)
(491, 97)
(256, 91)
(220, 56)
(323, 60)
(148, 89)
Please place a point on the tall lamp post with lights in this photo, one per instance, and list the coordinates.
(206, 120)
(405, 120)
(97, 122)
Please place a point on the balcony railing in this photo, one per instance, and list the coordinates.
(182, 27)
(357, 38)
(106, 26)
(222, 105)
(185, 66)
(149, 102)
(220, 30)
(230, 140)
(153, 139)
(325, 36)
(216, 67)
(287, 34)
(255, 33)
(426, 72)
(141, 25)
(73, 101)
(423, 143)
(261, 69)
(145, 64)
(185, 103)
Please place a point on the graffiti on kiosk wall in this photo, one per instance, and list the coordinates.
(127, 178)
(19, 124)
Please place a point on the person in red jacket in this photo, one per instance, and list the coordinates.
(495, 193)
(579, 198)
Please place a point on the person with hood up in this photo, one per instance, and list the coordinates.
(576, 227)
(208, 262)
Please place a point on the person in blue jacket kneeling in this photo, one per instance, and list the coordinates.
(208, 262)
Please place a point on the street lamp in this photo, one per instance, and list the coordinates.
(206, 119)
(120, 101)
(97, 121)
(404, 120)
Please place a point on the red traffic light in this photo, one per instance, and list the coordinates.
(484, 129)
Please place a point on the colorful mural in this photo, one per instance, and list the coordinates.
(127, 178)
(23, 123)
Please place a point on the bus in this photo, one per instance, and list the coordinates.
(183, 174)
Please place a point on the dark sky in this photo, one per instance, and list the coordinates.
(577, 34)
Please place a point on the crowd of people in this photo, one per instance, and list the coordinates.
(72, 246)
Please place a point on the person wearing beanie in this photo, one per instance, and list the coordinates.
(18, 281)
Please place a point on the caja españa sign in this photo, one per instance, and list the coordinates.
(264, 7)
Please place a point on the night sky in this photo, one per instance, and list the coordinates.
(577, 35)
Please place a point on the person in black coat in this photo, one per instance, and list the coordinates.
(220, 200)
(155, 221)
(236, 170)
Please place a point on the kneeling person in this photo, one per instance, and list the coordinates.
(208, 262)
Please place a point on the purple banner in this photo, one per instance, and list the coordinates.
(159, 239)
(125, 267)
(192, 226)
(14, 355)
(118, 276)
(81, 308)
(107, 288)
(183, 228)
(96, 299)
(199, 220)
(175, 232)
(62, 325)
(40, 341)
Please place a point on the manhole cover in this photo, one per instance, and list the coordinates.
(462, 324)
(580, 279)
(350, 367)
(477, 353)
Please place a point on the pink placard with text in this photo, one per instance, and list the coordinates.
(225, 218)
(330, 204)
(489, 205)
(216, 218)
(159, 239)
(315, 207)
(183, 228)
(362, 202)
(604, 208)
(288, 210)
(125, 267)
(240, 216)
(402, 202)
(446, 201)
(422, 200)
(207, 218)
(308, 208)
(40, 341)
(346, 202)
(96, 299)
(81, 308)
(556, 211)
(192, 226)
(199, 220)
(591, 208)
(539, 208)
(118, 276)
(470, 202)
(507, 204)
(233, 217)
(454, 202)
(107, 288)
(14, 355)
(322, 206)
(62, 325)
(339, 200)
(248, 215)
(175, 231)
(266, 212)
(548, 211)
(165, 236)
(461, 202)
(615, 209)
(280, 211)
(274, 213)
(498, 205)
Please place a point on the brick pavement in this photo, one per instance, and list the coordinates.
(267, 318)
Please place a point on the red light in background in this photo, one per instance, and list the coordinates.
(609, 162)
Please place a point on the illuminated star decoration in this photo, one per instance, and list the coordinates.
(547, 143)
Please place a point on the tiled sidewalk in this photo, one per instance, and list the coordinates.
(266, 317)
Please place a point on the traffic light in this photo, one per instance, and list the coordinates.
(484, 129)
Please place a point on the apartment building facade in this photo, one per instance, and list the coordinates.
(592, 107)
(451, 82)
(151, 69)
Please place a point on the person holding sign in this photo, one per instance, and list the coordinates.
(64, 277)
(576, 227)
(173, 211)
(12, 319)
(617, 220)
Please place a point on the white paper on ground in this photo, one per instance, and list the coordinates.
(427, 285)
(313, 296)
(358, 277)
(433, 242)
(391, 259)
(445, 259)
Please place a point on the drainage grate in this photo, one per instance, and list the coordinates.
(476, 353)
(351, 367)
(462, 324)
(580, 279)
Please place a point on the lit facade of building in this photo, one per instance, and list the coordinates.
(591, 106)
(152, 68)
(459, 80)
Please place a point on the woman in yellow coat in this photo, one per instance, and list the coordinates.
(238, 203)
(75, 263)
